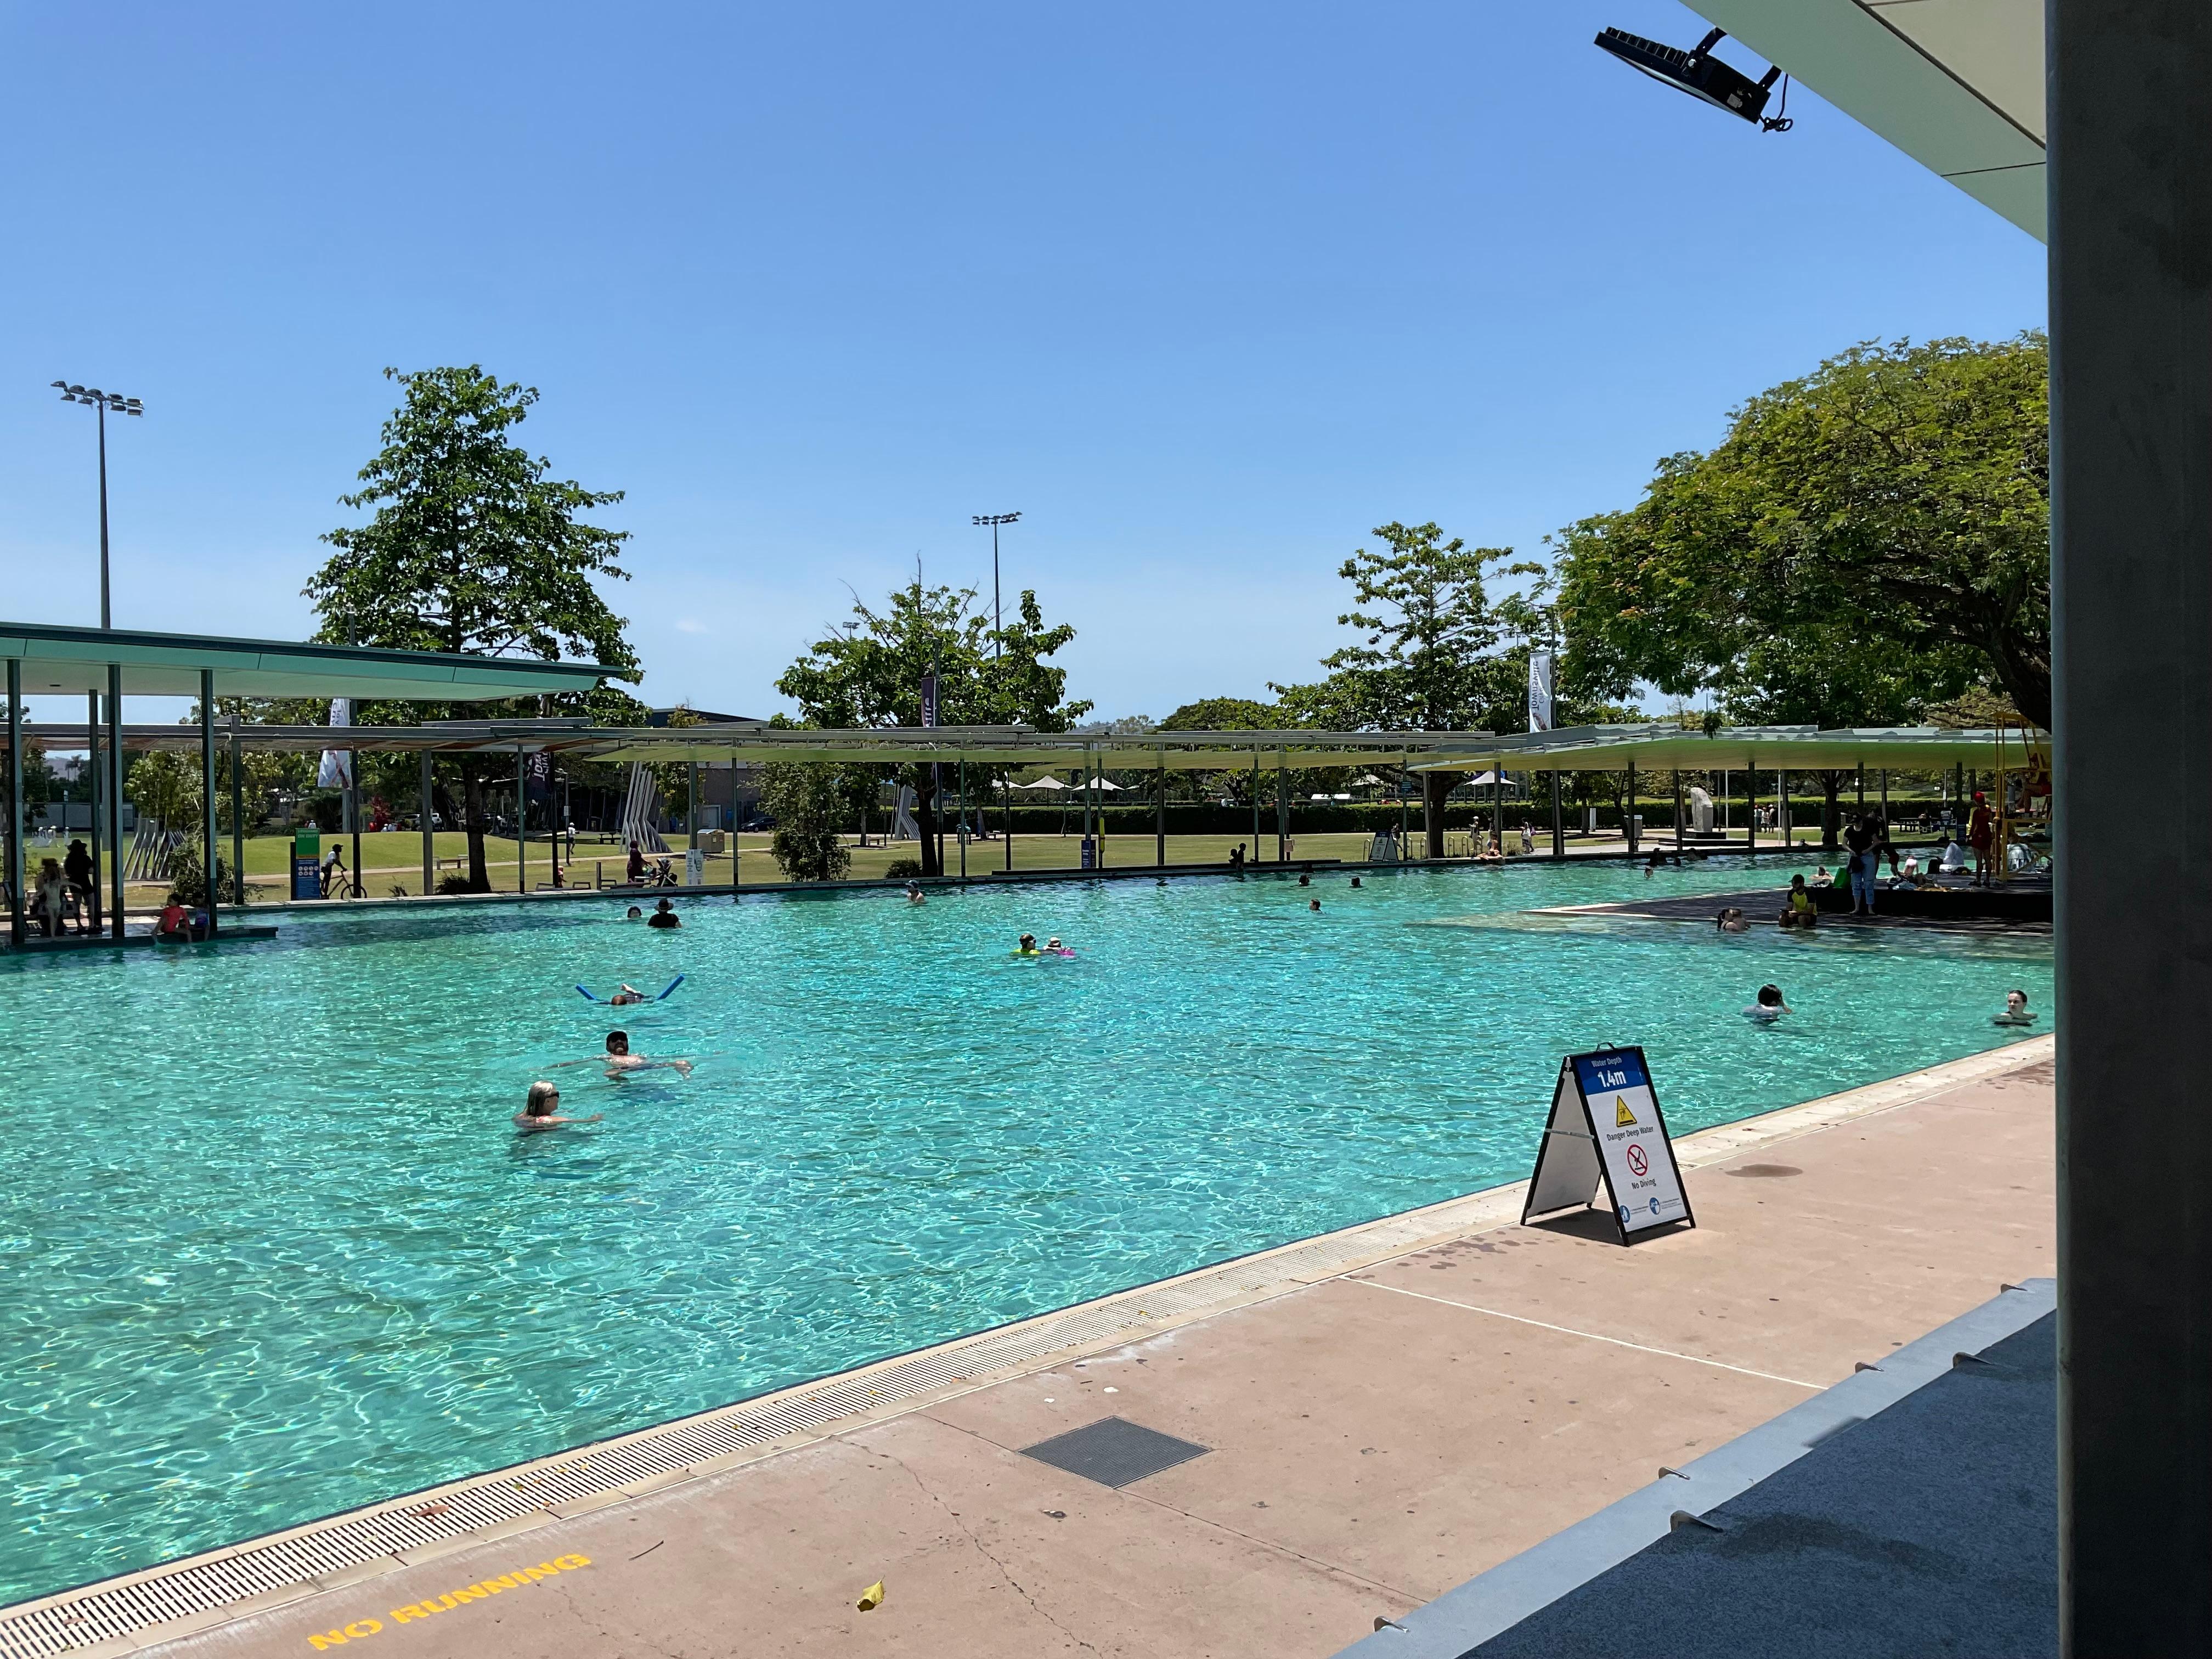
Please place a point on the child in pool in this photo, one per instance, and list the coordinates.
(1769, 1008)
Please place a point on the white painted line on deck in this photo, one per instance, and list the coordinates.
(1565, 1330)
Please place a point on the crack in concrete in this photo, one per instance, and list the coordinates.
(614, 1642)
(967, 1533)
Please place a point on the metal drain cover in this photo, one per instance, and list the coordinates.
(1113, 1451)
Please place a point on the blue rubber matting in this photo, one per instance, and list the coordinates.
(1930, 1527)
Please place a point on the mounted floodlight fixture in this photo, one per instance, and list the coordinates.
(1703, 76)
(105, 403)
(998, 619)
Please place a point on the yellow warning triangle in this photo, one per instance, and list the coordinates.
(1622, 1117)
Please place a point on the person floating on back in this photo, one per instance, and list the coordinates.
(1769, 1008)
(2016, 1011)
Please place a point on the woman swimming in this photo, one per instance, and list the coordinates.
(542, 1111)
(1769, 1006)
(2016, 1011)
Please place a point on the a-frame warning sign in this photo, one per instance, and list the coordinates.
(1605, 1134)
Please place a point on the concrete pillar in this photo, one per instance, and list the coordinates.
(2131, 84)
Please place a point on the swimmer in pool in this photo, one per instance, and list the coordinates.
(542, 1111)
(624, 996)
(915, 894)
(1355, 881)
(1053, 947)
(2016, 1011)
(619, 1061)
(1028, 946)
(635, 913)
(1732, 920)
(1313, 905)
(1769, 1006)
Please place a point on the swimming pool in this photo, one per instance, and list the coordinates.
(270, 1249)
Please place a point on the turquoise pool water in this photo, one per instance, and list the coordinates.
(271, 1250)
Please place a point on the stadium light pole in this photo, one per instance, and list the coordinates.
(102, 402)
(998, 618)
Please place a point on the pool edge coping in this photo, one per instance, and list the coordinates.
(844, 1401)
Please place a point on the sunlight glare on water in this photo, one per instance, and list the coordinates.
(272, 1249)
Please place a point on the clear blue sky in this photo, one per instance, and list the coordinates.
(1204, 292)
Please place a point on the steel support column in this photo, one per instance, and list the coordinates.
(90, 920)
(115, 795)
(238, 817)
(208, 827)
(426, 812)
(1558, 820)
(521, 826)
(2130, 124)
(16, 859)
(1628, 814)
(1160, 816)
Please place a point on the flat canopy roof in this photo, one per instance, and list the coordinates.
(1656, 746)
(1955, 84)
(1664, 746)
(57, 660)
(993, 745)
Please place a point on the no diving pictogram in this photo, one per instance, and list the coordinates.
(1639, 1162)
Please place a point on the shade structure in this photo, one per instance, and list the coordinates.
(1958, 85)
(58, 660)
(989, 745)
(1663, 746)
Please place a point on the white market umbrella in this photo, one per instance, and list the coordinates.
(1042, 783)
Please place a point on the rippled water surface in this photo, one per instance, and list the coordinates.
(270, 1247)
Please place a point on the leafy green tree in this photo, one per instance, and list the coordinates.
(1438, 654)
(869, 671)
(1889, 512)
(473, 547)
(1225, 714)
(808, 804)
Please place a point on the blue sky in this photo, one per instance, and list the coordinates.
(1204, 292)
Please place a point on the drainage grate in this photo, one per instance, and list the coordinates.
(299, 1561)
(1113, 1451)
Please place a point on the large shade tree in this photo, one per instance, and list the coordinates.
(472, 546)
(1865, 541)
(1436, 652)
(869, 671)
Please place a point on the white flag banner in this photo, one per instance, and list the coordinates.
(1540, 690)
(335, 769)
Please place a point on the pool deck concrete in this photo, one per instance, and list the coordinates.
(1380, 1434)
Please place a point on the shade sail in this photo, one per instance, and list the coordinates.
(58, 659)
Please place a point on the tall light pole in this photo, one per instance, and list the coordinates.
(102, 402)
(998, 619)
